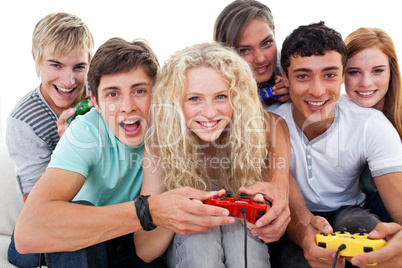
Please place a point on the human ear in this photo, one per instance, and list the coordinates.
(285, 79)
(95, 102)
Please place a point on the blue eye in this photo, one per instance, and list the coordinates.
(267, 43)
(220, 97)
(378, 70)
(193, 99)
(243, 51)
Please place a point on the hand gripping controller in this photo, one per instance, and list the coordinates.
(254, 209)
(81, 108)
(356, 244)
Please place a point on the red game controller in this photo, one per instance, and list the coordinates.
(254, 209)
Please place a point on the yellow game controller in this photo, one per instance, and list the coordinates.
(355, 244)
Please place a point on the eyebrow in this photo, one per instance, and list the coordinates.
(374, 67)
(59, 63)
(308, 70)
(132, 86)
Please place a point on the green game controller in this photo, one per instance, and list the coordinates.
(81, 108)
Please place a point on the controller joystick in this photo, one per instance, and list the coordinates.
(254, 209)
(356, 244)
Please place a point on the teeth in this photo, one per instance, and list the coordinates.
(64, 89)
(208, 124)
(260, 69)
(128, 122)
(316, 104)
(366, 93)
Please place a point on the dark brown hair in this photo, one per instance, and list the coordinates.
(118, 55)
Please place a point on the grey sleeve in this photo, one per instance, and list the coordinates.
(31, 154)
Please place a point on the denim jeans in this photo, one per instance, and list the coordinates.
(222, 247)
(289, 255)
(118, 252)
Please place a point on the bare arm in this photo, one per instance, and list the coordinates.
(49, 213)
(150, 245)
(390, 189)
(303, 228)
(275, 189)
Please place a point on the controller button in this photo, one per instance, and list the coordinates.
(260, 212)
(322, 244)
(259, 202)
(367, 249)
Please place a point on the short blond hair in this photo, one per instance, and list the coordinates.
(66, 33)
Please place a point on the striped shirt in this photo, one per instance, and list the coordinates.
(31, 138)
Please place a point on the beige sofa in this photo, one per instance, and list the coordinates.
(10, 203)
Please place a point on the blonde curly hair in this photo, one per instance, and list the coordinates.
(243, 142)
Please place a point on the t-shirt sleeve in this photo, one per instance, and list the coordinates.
(383, 148)
(30, 153)
(77, 149)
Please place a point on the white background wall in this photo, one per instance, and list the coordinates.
(168, 25)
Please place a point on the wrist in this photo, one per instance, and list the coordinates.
(143, 213)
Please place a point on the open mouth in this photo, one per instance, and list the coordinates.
(316, 104)
(131, 125)
(261, 70)
(208, 124)
(366, 93)
(64, 91)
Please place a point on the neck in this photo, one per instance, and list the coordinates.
(380, 105)
(313, 129)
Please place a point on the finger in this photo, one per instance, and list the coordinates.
(192, 193)
(278, 79)
(322, 254)
(274, 230)
(252, 190)
(384, 229)
(384, 257)
(258, 198)
(280, 91)
(66, 114)
(276, 208)
(321, 225)
(262, 188)
(284, 98)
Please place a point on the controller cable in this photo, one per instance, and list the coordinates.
(340, 248)
(243, 211)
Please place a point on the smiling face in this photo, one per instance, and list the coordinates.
(257, 46)
(206, 104)
(314, 87)
(63, 79)
(367, 78)
(124, 100)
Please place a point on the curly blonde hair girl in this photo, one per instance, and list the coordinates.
(241, 148)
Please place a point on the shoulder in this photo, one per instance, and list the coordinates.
(352, 112)
(33, 109)
(89, 128)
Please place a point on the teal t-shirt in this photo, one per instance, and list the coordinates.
(113, 170)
